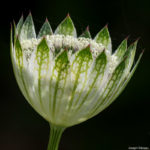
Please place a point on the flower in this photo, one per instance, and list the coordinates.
(65, 78)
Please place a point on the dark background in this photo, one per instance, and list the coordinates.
(125, 123)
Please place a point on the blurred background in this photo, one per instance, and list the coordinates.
(126, 123)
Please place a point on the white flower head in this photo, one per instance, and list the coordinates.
(65, 78)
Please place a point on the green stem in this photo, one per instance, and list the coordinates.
(55, 135)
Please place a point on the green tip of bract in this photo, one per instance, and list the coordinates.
(104, 38)
(130, 54)
(45, 29)
(122, 48)
(86, 33)
(19, 26)
(66, 27)
(28, 30)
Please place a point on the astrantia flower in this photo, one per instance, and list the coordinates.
(65, 78)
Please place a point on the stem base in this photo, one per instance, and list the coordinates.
(55, 135)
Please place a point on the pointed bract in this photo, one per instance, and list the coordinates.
(14, 29)
(19, 26)
(60, 74)
(124, 83)
(100, 61)
(119, 53)
(95, 76)
(130, 54)
(66, 27)
(80, 67)
(86, 33)
(19, 53)
(42, 51)
(103, 37)
(45, 30)
(42, 58)
(28, 30)
(11, 41)
(111, 85)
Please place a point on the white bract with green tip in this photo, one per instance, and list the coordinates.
(65, 78)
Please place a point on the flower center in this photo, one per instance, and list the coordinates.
(57, 42)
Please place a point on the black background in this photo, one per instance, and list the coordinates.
(125, 123)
